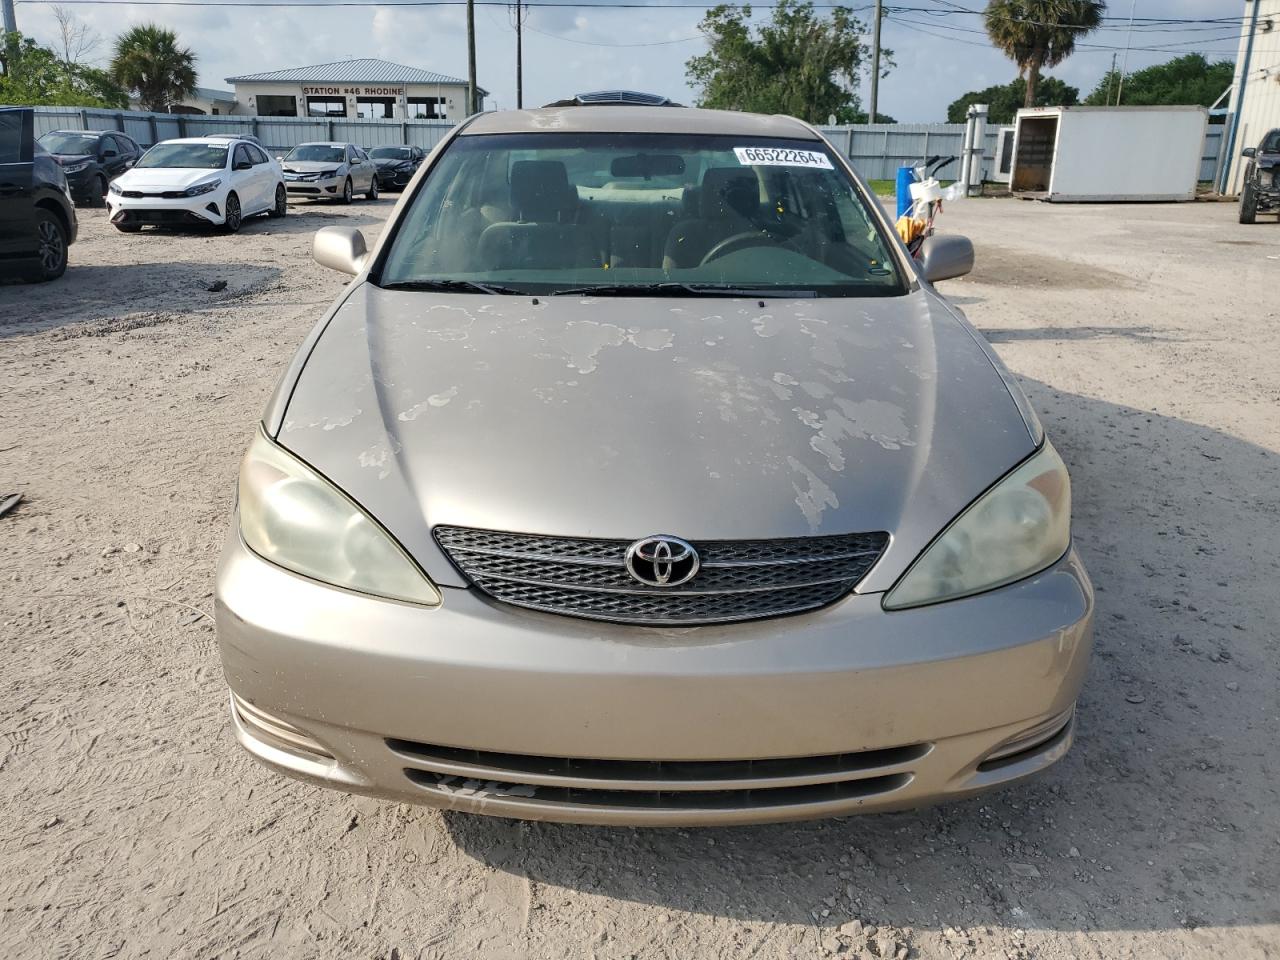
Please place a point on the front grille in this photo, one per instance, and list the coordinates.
(164, 194)
(737, 579)
(658, 784)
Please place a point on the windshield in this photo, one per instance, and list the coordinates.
(637, 214)
(1272, 142)
(196, 156)
(389, 153)
(69, 143)
(316, 153)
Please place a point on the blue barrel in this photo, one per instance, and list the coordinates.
(906, 177)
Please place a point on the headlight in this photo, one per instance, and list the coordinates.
(200, 188)
(114, 187)
(75, 167)
(327, 173)
(293, 517)
(1015, 529)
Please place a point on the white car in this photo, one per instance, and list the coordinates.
(198, 180)
(333, 171)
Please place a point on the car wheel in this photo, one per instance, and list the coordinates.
(233, 219)
(346, 191)
(373, 190)
(1248, 204)
(282, 202)
(98, 192)
(51, 248)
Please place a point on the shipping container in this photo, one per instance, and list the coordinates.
(1082, 154)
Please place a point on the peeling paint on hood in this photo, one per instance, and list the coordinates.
(623, 417)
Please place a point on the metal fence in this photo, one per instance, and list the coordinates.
(879, 149)
(277, 134)
(876, 149)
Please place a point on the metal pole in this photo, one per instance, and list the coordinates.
(519, 57)
(1244, 78)
(875, 66)
(471, 57)
(1124, 65)
(10, 18)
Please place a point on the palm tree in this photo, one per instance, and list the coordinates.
(1040, 33)
(148, 59)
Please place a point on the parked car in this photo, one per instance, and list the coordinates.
(395, 166)
(91, 159)
(1261, 190)
(37, 218)
(199, 180)
(641, 476)
(334, 171)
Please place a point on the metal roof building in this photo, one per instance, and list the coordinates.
(366, 87)
(1255, 99)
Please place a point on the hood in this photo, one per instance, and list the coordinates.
(310, 166)
(168, 178)
(625, 417)
(389, 161)
(67, 159)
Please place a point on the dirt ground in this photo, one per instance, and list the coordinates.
(134, 827)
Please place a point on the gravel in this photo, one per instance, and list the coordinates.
(1145, 336)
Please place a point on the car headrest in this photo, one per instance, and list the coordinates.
(728, 193)
(540, 191)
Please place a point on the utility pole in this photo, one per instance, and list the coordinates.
(1124, 65)
(10, 19)
(471, 57)
(875, 65)
(519, 14)
(1111, 76)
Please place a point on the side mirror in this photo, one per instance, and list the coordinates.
(243, 165)
(944, 257)
(108, 154)
(1249, 152)
(340, 248)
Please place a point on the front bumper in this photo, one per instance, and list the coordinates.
(393, 179)
(485, 708)
(328, 187)
(205, 209)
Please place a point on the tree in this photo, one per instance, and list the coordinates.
(1004, 101)
(36, 76)
(798, 63)
(148, 59)
(76, 40)
(1189, 79)
(1040, 33)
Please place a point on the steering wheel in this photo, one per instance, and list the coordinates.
(739, 241)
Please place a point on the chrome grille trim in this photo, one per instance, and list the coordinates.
(737, 580)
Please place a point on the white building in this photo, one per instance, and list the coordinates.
(1255, 101)
(373, 89)
(205, 100)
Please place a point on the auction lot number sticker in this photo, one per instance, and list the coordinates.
(780, 157)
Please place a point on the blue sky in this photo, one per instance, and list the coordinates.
(566, 50)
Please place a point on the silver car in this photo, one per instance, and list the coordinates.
(329, 171)
(641, 477)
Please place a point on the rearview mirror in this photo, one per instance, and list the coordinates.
(340, 248)
(648, 165)
(1249, 152)
(945, 257)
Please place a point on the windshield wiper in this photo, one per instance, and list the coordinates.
(676, 289)
(453, 286)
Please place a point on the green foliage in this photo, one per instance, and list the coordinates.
(1190, 79)
(798, 63)
(148, 59)
(36, 76)
(1005, 101)
(1040, 33)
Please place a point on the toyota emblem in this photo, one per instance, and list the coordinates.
(662, 561)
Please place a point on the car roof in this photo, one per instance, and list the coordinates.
(325, 143)
(87, 133)
(630, 119)
(221, 141)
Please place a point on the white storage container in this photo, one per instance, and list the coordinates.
(1108, 153)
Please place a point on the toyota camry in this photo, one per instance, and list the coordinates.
(640, 476)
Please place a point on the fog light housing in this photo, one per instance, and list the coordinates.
(1040, 735)
(275, 732)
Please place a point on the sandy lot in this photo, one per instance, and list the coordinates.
(134, 827)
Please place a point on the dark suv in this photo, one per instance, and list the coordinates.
(1261, 190)
(37, 219)
(91, 159)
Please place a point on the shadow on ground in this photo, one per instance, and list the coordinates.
(1163, 815)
